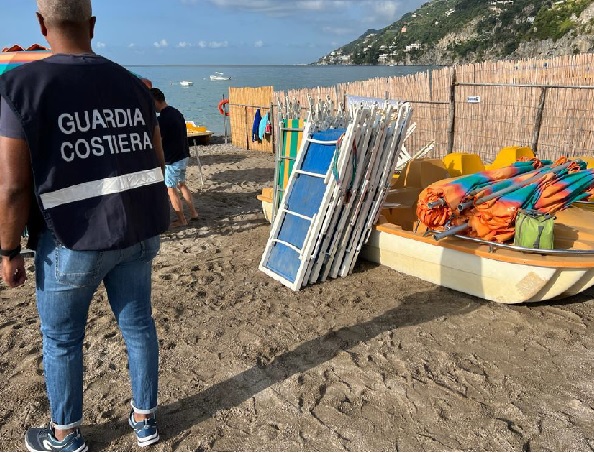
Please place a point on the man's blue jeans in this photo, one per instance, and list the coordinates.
(66, 281)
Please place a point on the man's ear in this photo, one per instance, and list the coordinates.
(92, 22)
(41, 21)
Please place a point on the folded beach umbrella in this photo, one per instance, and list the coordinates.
(495, 219)
(490, 211)
(10, 60)
(562, 191)
(432, 210)
(463, 186)
(499, 188)
(439, 202)
(553, 189)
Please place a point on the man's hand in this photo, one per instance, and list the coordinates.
(13, 271)
(16, 187)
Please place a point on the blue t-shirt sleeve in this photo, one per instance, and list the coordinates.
(10, 124)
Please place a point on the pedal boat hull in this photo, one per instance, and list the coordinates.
(484, 270)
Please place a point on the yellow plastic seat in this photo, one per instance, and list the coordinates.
(508, 155)
(458, 164)
(192, 127)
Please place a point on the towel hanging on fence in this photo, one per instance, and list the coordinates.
(256, 126)
(262, 128)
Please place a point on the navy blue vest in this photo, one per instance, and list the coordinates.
(89, 128)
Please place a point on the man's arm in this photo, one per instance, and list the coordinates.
(158, 146)
(15, 199)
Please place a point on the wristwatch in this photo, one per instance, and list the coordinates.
(12, 253)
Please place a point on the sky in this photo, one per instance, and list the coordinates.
(216, 32)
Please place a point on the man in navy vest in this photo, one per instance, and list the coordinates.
(81, 165)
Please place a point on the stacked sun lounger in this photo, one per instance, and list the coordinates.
(339, 181)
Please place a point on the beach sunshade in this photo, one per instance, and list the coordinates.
(492, 212)
(10, 60)
(461, 187)
(495, 219)
(559, 193)
(440, 202)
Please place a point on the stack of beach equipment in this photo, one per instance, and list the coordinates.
(340, 179)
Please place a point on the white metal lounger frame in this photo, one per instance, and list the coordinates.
(379, 171)
(380, 190)
(364, 161)
(316, 221)
(346, 238)
(366, 149)
(363, 126)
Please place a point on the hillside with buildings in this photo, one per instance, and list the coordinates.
(445, 32)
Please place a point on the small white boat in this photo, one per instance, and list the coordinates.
(219, 76)
(186, 83)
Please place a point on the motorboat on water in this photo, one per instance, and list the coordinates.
(219, 76)
(186, 83)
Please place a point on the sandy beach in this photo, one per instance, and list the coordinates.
(375, 361)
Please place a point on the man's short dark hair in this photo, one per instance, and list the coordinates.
(157, 95)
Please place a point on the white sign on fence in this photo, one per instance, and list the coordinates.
(473, 99)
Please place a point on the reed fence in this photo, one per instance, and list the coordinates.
(243, 103)
(545, 104)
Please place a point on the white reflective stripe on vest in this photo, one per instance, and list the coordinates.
(101, 187)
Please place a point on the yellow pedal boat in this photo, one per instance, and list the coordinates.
(503, 274)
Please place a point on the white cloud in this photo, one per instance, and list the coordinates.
(162, 43)
(100, 45)
(131, 45)
(338, 30)
(384, 12)
(276, 7)
(213, 44)
(341, 16)
(183, 44)
(335, 18)
(259, 43)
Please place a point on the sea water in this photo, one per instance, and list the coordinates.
(199, 102)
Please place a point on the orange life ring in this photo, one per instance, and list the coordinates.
(222, 110)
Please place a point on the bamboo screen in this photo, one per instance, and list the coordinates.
(543, 103)
(431, 120)
(563, 70)
(302, 96)
(568, 124)
(428, 96)
(503, 117)
(439, 109)
(414, 88)
(243, 103)
(508, 115)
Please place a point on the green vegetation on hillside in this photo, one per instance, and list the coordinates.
(468, 30)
